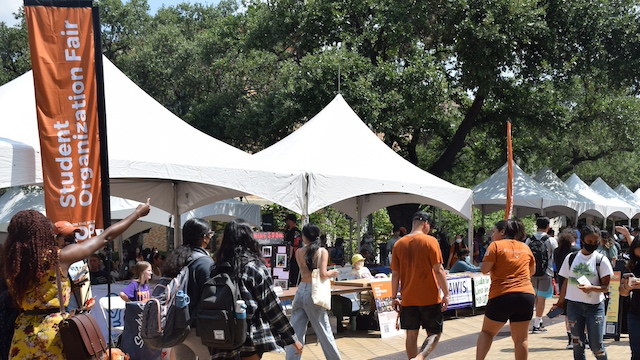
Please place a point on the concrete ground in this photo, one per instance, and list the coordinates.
(458, 342)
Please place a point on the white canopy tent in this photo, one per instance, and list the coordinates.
(584, 206)
(629, 196)
(602, 188)
(226, 210)
(529, 196)
(15, 200)
(612, 210)
(350, 168)
(152, 153)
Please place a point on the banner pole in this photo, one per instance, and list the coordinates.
(104, 152)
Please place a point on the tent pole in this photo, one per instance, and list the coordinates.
(177, 226)
(305, 205)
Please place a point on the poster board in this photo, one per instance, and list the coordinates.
(612, 327)
(481, 285)
(381, 289)
(460, 292)
(274, 252)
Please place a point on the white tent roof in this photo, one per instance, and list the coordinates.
(349, 167)
(628, 195)
(227, 210)
(528, 196)
(576, 184)
(152, 153)
(602, 188)
(15, 200)
(548, 179)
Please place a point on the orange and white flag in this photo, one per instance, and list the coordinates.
(61, 40)
(509, 207)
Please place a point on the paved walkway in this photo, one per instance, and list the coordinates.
(458, 342)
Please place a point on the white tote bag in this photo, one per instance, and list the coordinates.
(320, 289)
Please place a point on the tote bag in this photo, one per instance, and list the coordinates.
(320, 290)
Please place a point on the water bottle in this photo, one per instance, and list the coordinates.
(241, 309)
(182, 299)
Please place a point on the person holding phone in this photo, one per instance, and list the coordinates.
(630, 286)
(588, 273)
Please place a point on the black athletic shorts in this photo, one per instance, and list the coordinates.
(512, 306)
(429, 317)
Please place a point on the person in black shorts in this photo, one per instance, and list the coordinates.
(511, 296)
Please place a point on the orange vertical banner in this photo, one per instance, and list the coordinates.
(509, 207)
(61, 40)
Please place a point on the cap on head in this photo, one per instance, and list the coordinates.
(64, 228)
(355, 258)
(291, 217)
(422, 216)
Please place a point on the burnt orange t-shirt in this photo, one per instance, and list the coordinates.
(414, 257)
(511, 263)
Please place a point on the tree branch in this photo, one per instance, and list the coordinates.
(446, 160)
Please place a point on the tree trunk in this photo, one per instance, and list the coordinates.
(448, 157)
(401, 215)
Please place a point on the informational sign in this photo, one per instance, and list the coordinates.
(387, 317)
(481, 285)
(460, 292)
(613, 309)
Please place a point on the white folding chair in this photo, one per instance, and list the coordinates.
(117, 315)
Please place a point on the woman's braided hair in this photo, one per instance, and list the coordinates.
(30, 252)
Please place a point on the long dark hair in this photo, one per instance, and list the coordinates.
(176, 261)
(633, 258)
(238, 246)
(29, 253)
(312, 233)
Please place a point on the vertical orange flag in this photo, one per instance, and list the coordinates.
(509, 208)
(62, 44)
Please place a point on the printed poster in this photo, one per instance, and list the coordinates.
(387, 317)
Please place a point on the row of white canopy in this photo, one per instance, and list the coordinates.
(333, 159)
(545, 193)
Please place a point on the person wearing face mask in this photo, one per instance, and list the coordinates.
(453, 252)
(582, 295)
(464, 263)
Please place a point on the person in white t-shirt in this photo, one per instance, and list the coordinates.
(588, 273)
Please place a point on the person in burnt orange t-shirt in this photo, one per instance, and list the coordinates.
(417, 270)
(511, 296)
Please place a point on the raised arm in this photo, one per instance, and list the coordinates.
(74, 252)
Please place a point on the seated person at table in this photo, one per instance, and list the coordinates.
(463, 264)
(96, 273)
(359, 271)
(138, 289)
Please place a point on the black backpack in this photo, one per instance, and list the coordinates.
(217, 325)
(540, 253)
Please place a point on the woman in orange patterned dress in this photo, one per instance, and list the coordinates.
(31, 258)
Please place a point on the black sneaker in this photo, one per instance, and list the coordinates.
(538, 330)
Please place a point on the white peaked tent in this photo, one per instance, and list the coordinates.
(602, 188)
(629, 196)
(15, 200)
(551, 181)
(152, 153)
(226, 210)
(351, 169)
(612, 210)
(529, 197)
